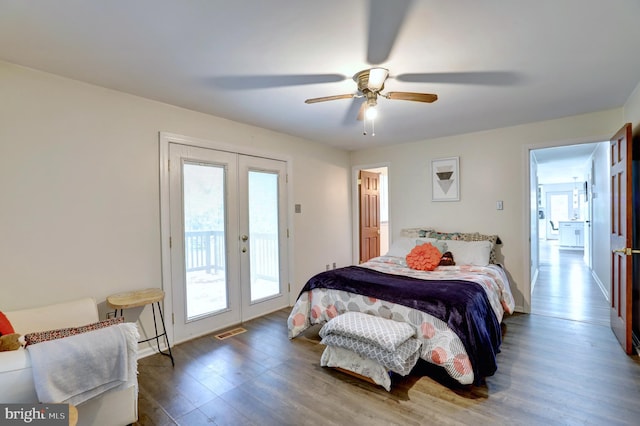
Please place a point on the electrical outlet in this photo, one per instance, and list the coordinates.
(334, 265)
(327, 266)
(499, 205)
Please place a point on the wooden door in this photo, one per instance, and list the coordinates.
(369, 215)
(621, 236)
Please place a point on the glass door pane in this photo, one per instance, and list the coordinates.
(264, 271)
(263, 235)
(228, 241)
(205, 261)
(559, 207)
(204, 239)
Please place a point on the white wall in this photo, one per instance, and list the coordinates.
(493, 166)
(79, 186)
(632, 110)
(601, 220)
(79, 189)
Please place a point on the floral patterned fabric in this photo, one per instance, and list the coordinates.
(491, 277)
(440, 345)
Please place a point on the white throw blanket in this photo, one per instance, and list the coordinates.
(77, 368)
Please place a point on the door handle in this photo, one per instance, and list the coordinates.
(627, 251)
(244, 238)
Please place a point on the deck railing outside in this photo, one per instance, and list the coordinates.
(205, 251)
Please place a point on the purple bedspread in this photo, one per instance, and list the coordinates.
(463, 305)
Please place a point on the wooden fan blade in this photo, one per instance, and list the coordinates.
(328, 98)
(352, 112)
(361, 112)
(411, 96)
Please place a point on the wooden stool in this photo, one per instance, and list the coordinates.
(134, 299)
(73, 415)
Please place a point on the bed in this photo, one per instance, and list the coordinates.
(456, 310)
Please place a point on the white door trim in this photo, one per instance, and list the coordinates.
(165, 138)
(527, 232)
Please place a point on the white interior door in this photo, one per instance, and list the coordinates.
(228, 238)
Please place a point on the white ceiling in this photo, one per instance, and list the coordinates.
(564, 164)
(493, 63)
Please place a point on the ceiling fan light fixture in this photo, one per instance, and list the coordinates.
(370, 84)
(371, 113)
(377, 77)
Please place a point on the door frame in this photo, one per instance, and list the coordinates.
(529, 233)
(165, 138)
(355, 207)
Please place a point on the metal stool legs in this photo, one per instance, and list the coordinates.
(157, 336)
(164, 333)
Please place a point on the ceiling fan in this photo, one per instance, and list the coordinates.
(370, 85)
(385, 21)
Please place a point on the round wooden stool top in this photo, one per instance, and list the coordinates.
(73, 415)
(133, 299)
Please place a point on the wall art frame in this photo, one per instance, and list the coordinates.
(445, 179)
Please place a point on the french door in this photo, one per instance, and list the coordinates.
(228, 238)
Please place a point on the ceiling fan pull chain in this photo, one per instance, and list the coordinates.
(373, 127)
(364, 127)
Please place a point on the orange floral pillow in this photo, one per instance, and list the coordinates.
(425, 257)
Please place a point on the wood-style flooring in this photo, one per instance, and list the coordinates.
(558, 366)
(566, 288)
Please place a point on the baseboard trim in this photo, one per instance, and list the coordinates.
(534, 280)
(604, 291)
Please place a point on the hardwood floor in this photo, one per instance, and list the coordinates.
(556, 366)
(566, 288)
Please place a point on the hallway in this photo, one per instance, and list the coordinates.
(566, 288)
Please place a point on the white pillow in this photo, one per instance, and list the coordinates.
(470, 252)
(441, 245)
(401, 247)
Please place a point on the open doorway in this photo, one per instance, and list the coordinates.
(372, 207)
(565, 286)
